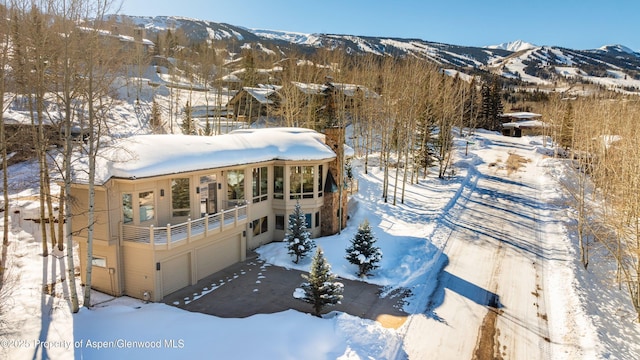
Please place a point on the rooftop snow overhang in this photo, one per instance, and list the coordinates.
(147, 156)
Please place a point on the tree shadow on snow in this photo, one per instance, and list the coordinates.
(462, 287)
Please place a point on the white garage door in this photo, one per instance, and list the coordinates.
(218, 256)
(176, 274)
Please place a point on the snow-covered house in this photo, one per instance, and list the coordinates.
(173, 209)
(522, 123)
(252, 102)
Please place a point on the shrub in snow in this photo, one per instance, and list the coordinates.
(298, 238)
(321, 288)
(363, 251)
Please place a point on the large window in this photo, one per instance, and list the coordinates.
(259, 181)
(301, 182)
(146, 206)
(180, 197)
(278, 182)
(235, 187)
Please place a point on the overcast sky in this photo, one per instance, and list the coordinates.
(583, 24)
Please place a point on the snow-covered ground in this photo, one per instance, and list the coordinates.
(488, 255)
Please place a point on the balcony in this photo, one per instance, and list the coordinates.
(171, 236)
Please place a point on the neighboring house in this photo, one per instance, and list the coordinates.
(20, 135)
(251, 103)
(522, 124)
(349, 91)
(231, 82)
(331, 97)
(173, 209)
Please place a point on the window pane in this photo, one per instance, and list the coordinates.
(255, 224)
(180, 197)
(146, 203)
(295, 180)
(264, 226)
(278, 182)
(307, 219)
(279, 222)
(320, 178)
(255, 180)
(307, 179)
(259, 183)
(127, 208)
(264, 181)
(235, 185)
(99, 261)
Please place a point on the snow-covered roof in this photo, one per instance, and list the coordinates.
(310, 88)
(260, 94)
(347, 89)
(231, 78)
(352, 89)
(522, 115)
(155, 155)
(524, 124)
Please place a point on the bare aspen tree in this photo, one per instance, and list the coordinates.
(600, 134)
(4, 61)
(101, 68)
(30, 38)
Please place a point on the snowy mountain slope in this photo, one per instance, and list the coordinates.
(513, 46)
(611, 67)
(194, 29)
(517, 60)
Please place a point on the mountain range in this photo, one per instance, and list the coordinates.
(613, 67)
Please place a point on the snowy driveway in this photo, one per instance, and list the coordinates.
(493, 286)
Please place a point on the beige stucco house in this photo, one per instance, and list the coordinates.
(173, 209)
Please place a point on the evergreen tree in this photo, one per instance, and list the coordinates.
(156, 117)
(567, 128)
(321, 288)
(492, 107)
(298, 238)
(363, 251)
(188, 126)
(208, 129)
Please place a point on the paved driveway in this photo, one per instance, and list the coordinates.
(253, 287)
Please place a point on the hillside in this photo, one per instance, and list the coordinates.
(611, 66)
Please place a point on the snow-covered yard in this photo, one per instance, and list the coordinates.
(488, 256)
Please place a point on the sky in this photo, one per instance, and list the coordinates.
(584, 24)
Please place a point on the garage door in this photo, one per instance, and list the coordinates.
(176, 274)
(215, 257)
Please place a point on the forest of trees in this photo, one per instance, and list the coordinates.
(600, 135)
(62, 74)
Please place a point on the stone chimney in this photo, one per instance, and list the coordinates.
(334, 209)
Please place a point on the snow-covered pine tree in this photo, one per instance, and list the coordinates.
(298, 238)
(363, 251)
(321, 288)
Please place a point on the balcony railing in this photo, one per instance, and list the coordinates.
(174, 235)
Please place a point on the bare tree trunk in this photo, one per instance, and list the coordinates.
(3, 138)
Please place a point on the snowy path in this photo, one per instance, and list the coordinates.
(492, 288)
